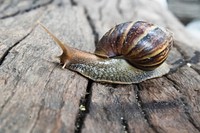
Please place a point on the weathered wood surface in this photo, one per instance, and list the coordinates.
(36, 95)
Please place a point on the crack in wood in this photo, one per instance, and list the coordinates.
(179, 62)
(27, 10)
(196, 58)
(90, 21)
(125, 125)
(186, 107)
(62, 104)
(174, 83)
(84, 106)
(92, 25)
(50, 76)
(195, 69)
(175, 69)
(124, 122)
(3, 58)
(10, 15)
(186, 59)
(138, 88)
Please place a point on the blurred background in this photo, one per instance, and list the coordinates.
(187, 11)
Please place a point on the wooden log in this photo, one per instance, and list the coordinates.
(36, 95)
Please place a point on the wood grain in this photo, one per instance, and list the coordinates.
(36, 95)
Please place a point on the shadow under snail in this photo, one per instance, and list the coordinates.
(130, 52)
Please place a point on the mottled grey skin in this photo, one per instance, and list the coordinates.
(117, 71)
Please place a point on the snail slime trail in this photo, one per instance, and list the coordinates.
(130, 52)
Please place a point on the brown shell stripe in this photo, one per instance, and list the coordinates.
(108, 42)
(155, 51)
(154, 61)
(149, 43)
(103, 47)
(155, 44)
(138, 31)
(122, 36)
(111, 41)
(149, 66)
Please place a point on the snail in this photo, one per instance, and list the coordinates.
(130, 52)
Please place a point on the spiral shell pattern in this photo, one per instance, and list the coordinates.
(143, 45)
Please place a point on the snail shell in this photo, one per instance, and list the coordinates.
(143, 45)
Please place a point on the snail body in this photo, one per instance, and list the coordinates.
(128, 53)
